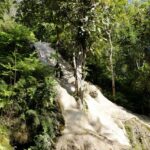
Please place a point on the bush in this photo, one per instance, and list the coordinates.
(4, 139)
(26, 91)
(42, 141)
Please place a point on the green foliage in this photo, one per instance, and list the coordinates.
(26, 89)
(85, 26)
(43, 141)
(32, 89)
(89, 28)
(4, 139)
(129, 27)
(68, 23)
(14, 36)
(5, 94)
(32, 118)
(4, 8)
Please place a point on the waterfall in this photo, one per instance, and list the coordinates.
(46, 53)
(101, 126)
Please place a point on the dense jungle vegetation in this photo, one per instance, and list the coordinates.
(114, 39)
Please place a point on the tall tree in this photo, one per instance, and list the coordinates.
(112, 18)
(71, 18)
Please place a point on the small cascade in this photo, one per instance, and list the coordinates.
(46, 53)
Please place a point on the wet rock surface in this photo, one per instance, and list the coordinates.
(103, 126)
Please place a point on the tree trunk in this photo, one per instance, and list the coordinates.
(111, 66)
(76, 74)
(78, 78)
(83, 63)
(79, 73)
(15, 72)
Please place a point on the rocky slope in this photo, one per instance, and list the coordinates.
(103, 125)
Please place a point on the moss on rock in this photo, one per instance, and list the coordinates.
(138, 134)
